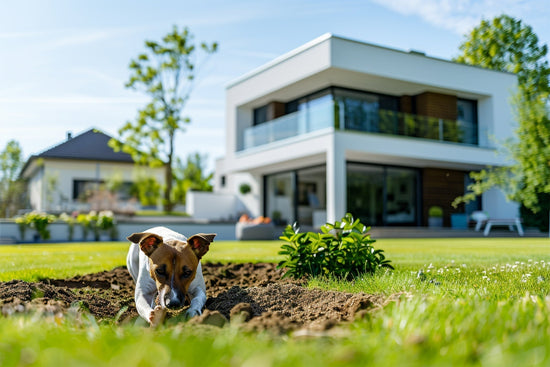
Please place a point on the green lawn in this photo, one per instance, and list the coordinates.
(455, 302)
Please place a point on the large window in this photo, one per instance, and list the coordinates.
(365, 193)
(297, 196)
(280, 197)
(380, 195)
(466, 111)
(361, 110)
(84, 189)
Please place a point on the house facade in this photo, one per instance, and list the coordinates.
(70, 175)
(340, 126)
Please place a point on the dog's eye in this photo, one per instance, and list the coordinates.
(161, 271)
(186, 272)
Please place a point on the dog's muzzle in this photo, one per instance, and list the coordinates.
(173, 300)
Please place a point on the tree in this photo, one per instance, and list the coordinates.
(166, 72)
(191, 176)
(506, 44)
(12, 188)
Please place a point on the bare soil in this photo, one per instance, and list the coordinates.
(251, 295)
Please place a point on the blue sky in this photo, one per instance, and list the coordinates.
(63, 64)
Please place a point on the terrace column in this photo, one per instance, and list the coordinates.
(336, 181)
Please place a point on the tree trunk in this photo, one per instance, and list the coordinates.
(168, 206)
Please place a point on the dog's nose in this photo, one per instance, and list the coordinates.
(173, 302)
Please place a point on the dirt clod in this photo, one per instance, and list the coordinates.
(251, 295)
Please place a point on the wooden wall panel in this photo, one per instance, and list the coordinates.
(439, 188)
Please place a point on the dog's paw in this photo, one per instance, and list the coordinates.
(156, 317)
(192, 312)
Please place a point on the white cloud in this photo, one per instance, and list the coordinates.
(458, 16)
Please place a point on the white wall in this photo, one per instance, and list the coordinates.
(210, 205)
(59, 230)
(66, 171)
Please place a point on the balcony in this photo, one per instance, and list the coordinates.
(317, 117)
(406, 124)
(328, 114)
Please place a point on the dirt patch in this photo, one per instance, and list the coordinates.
(253, 295)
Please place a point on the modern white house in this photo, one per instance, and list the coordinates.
(339, 126)
(63, 177)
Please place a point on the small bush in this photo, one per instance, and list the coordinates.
(35, 220)
(343, 250)
(245, 188)
(435, 211)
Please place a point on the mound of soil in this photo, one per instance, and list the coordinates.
(252, 295)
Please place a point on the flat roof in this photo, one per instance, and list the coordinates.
(328, 36)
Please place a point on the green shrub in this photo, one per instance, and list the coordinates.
(245, 188)
(343, 250)
(38, 221)
(435, 211)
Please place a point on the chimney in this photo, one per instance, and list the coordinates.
(69, 135)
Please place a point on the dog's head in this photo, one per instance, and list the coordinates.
(172, 263)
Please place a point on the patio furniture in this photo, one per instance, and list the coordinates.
(511, 223)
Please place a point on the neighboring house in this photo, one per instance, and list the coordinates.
(64, 177)
(340, 126)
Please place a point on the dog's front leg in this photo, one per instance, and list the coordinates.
(198, 301)
(156, 317)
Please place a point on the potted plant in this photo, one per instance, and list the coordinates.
(245, 188)
(435, 217)
(105, 223)
(85, 222)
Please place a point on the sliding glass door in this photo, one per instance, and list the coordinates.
(381, 195)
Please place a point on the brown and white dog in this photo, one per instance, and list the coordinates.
(166, 268)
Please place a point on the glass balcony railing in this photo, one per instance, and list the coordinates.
(325, 115)
(406, 124)
(297, 123)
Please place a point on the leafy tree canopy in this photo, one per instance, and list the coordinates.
(166, 72)
(191, 176)
(506, 44)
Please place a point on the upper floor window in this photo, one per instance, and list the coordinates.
(466, 110)
(260, 115)
(466, 114)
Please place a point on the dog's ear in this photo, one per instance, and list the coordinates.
(148, 242)
(200, 243)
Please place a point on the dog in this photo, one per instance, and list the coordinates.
(166, 269)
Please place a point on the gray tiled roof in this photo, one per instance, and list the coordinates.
(90, 145)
